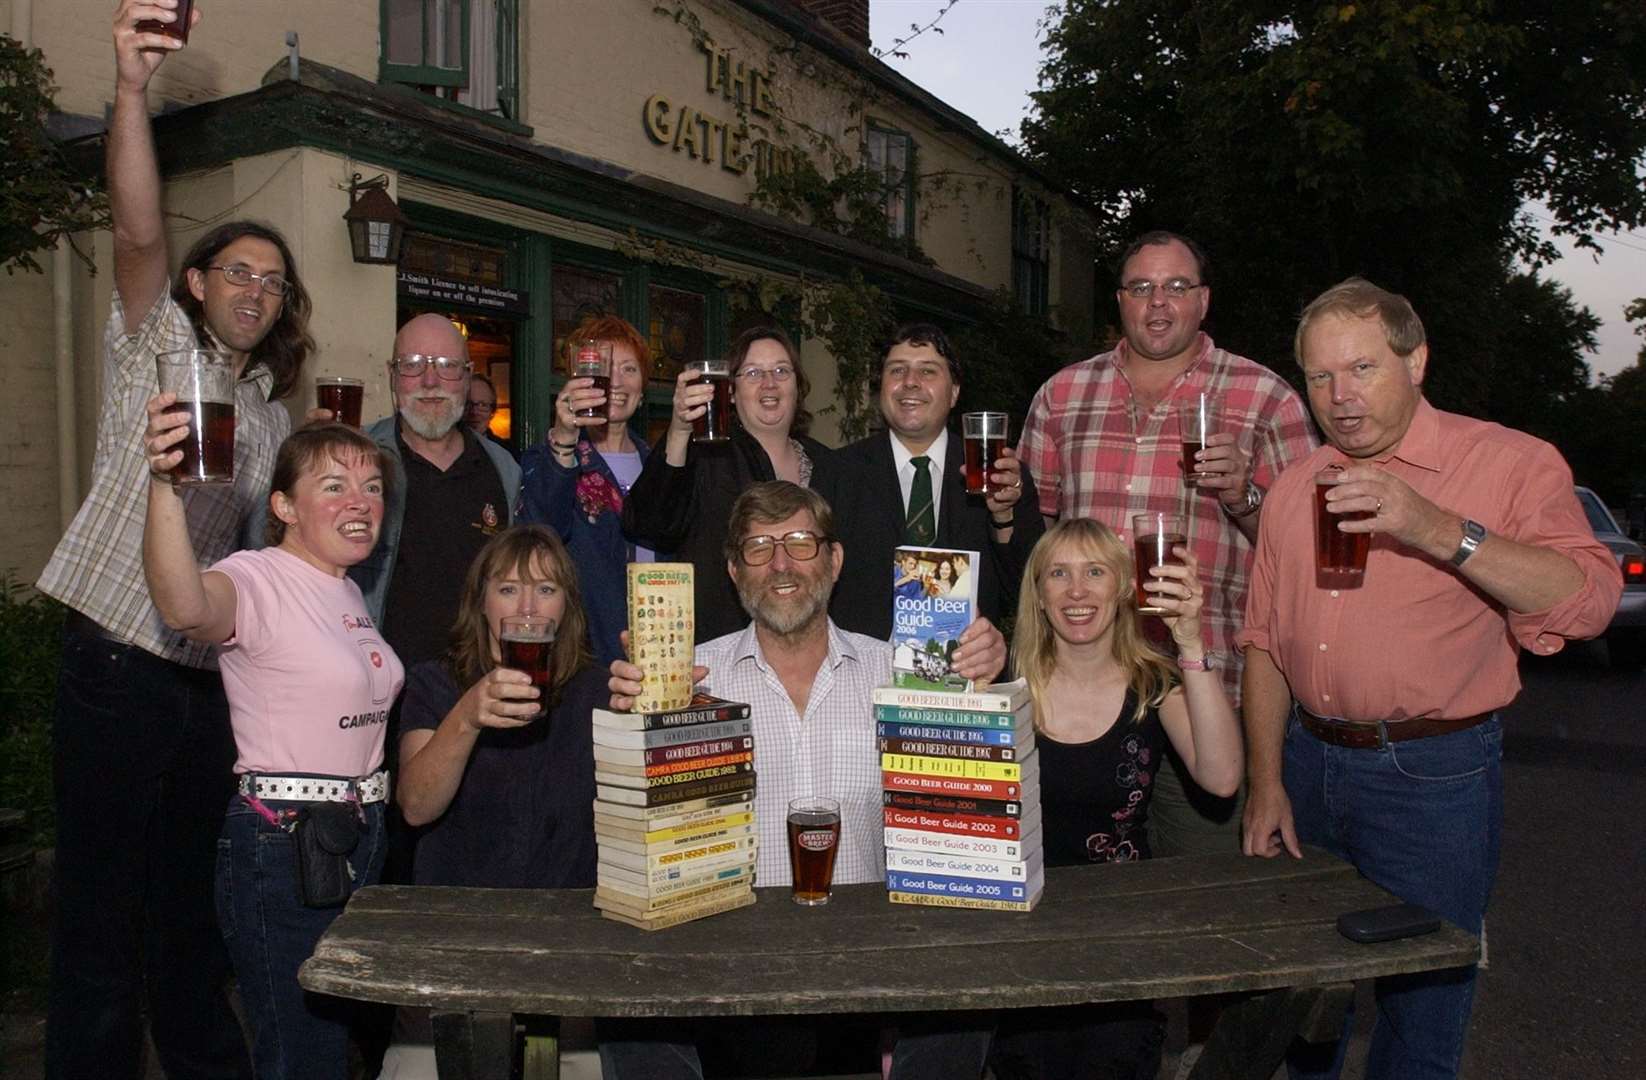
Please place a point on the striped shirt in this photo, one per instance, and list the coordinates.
(1094, 454)
(97, 568)
(831, 751)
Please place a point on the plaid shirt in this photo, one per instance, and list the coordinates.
(1093, 455)
(831, 751)
(97, 568)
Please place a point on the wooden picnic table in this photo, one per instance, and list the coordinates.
(480, 958)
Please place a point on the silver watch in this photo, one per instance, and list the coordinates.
(1473, 533)
(1254, 499)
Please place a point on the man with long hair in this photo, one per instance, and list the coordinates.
(142, 748)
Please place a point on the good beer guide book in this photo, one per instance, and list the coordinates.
(934, 599)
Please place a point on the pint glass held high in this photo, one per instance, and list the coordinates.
(985, 435)
(814, 838)
(342, 397)
(1153, 538)
(203, 381)
(592, 359)
(715, 425)
(1340, 557)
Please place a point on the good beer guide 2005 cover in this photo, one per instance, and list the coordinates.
(934, 597)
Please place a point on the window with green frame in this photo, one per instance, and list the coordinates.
(465, 51)
(889, 153)
(1031, 252)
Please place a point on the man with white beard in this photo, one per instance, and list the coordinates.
(456, 491)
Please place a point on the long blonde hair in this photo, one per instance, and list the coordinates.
(1149, 672)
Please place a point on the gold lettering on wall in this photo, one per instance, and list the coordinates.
(706, 137)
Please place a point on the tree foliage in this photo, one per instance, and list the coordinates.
(41, 196)
(1305, 142)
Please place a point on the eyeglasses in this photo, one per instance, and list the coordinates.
(411, 366)
(801, 545)
(754, 375)
(273, 284)
(1177, 288)
(482, 406)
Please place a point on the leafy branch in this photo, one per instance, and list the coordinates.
(915, 30)
(42, 197)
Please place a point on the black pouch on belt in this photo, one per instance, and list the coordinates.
(324, 836)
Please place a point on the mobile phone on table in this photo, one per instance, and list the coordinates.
(1387, 923)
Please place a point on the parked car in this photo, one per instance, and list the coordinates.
(1626, 636)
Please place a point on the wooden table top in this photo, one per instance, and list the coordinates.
(1161, 928)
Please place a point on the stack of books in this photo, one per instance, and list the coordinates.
(674, 812)
(961, 787)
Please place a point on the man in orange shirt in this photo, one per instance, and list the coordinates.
(1371, 713)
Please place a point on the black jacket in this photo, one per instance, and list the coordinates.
(682, 513)
(862, 488)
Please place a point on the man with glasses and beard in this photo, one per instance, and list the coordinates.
(808, 684)
(458, 490)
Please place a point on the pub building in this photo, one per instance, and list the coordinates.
(516, 166)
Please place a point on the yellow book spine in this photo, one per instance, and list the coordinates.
(958, 767)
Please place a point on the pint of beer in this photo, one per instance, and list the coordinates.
(715, 425)
(814, 838)
(525, 643)
(985, 435)
(592, 359)
(203, 381)
(342, 397)
(1197, 421)
(1153, 537)
(1340, 557)
(178, 28)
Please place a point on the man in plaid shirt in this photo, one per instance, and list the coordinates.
(143, 756)
(1102, 440)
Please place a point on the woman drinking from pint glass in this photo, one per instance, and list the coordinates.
(501, 774)
(1105, 702)
(309, 682)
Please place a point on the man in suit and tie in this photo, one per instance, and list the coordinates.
(906, 486)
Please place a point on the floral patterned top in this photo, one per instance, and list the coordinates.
(583, 502)
(1094, 796)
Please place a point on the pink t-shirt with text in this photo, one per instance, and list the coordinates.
(308, 676)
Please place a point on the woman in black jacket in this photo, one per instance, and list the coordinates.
(683, 497)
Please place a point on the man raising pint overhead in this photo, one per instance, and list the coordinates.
(142, 751)
(1371, 712)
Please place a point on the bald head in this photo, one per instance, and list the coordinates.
(429, 404)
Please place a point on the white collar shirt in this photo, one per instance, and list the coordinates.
(904, 460)
(830, 751)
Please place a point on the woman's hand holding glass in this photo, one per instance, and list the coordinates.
(577, 393)
(503, 698)
(1179, 591)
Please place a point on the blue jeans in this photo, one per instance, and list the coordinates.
(269, 932)
(142, 763)
(1423, 819)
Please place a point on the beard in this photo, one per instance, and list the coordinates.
(786, 614)
(417, 416)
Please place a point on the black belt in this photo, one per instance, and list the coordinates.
(86, 627)
(1371, 736)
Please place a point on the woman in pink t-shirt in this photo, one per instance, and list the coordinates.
(309, 681)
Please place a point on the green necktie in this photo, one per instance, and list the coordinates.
(921, 527)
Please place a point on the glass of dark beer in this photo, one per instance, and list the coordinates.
(715, 425)
(1197, 420)
(1340, 557)
(814, 838)
(592, 359)
(525, 642)
(342, 396)
(203, 381)
(985, 435)
(177, 28)
(1153, 537)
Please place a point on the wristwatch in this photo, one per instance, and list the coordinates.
(1473, 533)
(1254, 499)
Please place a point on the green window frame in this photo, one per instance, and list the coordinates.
(890, 153)
(1031, 252)
(435, 21)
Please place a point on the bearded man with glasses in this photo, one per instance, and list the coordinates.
(808, 684)
(1103, 440)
